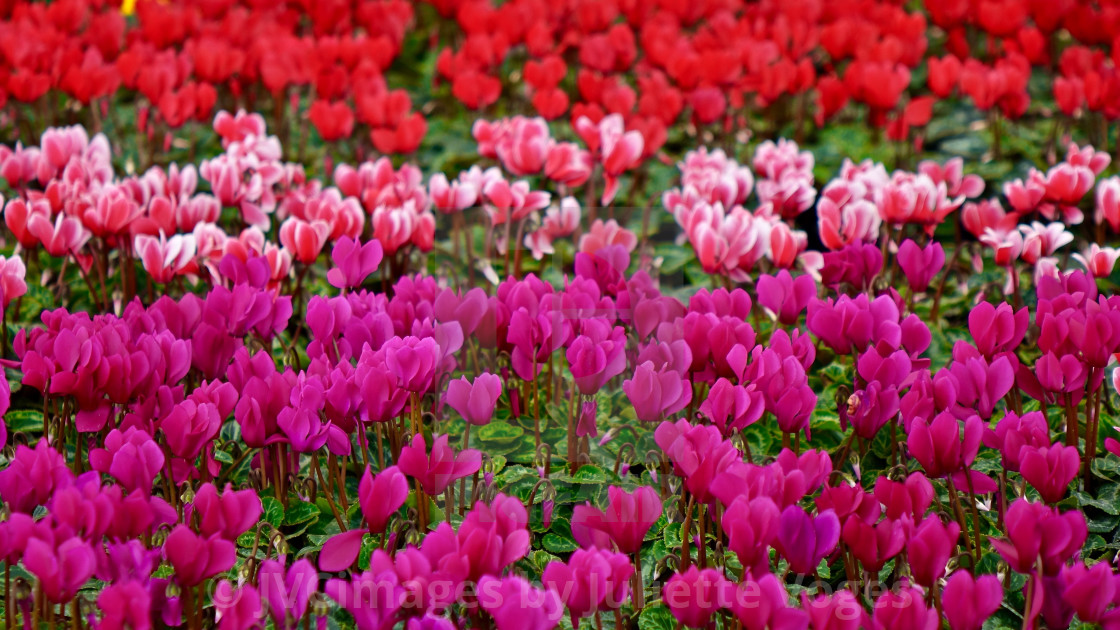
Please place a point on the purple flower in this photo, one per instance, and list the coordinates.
(805, 540)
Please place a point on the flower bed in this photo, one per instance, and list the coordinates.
(449, 315)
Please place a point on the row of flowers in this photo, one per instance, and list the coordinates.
(721, 62)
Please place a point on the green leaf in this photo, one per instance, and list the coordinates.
(273, 511)
(301, 512)
(590, 474)
(656, 618)
(24, 421)
(557, 543)
(499, 432)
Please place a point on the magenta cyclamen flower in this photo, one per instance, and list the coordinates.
(62, 569)
(920, 264)
(373, 598)
(1035, 531)
(874, 544)
(441, 468)
(804, 540)
(31, 477)
(911, 497)
(597, 356)
(624, 522)
(413, 360)
(1013, 432)
(698, 454)
(195, 558)
(968, 601)
(1049, 469)
(929, 549)
(227, 515)
(131, 457)
(840, 611)
(1090, 592)
(904, 608)
(997, 329)
(238, 608)
(657, 393)
(786, 296)
(517, 605)
(353, 262)
(732, 408)
(125, 605)
(697, 594)
(591, 580)
(287, 592)
(475, 401)
(764, 603)
(752, 527)
(380, 496)
(939, 446)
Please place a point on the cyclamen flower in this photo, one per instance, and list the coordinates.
(475, 401)
(516, 605)
(695, 595)
(441, 468)
(590, 581)
(353, 261)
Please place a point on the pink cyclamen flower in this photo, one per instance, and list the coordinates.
(374, 598)
(920, 264)
(12, 279)
(303, 239)
(752, 527)
(441, 468)
(657, 393)
(1090, 592)
(353, 262)
(968, 601)
(237, 608)
(696, 595)
(1098, 261)
(590, 581)
(929, 549)
(32, 475)
(131, 457)
(165, 258)
(517, 605)
(1038, 532)
(785, 296)
(125, 605)
(287, 591)
(475, 401)
(61, 570)
(624, 522)
(229, 514)
(380, 496)
(195, 558)
(840, 611)
(904, 608)
(64, 236)
(939, 447)
(1049, 469)
(762, 602)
